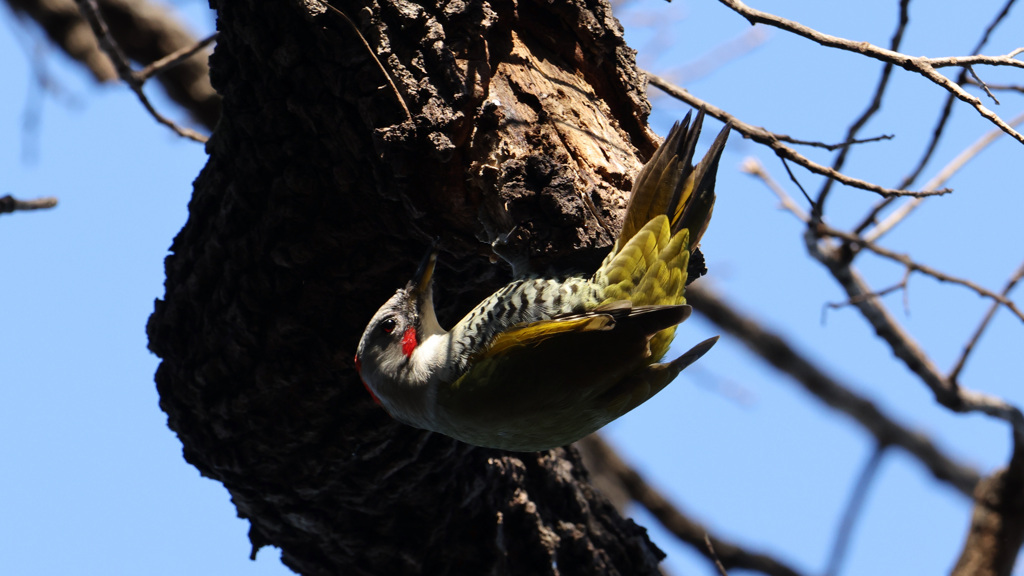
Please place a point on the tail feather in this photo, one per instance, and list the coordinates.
(670, 184)
(692, 355)
(642, 385)
(694, 212)
(655, 187)
(668, 212)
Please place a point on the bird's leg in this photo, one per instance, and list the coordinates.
(514, 250)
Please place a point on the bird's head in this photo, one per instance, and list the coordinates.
(390, 359)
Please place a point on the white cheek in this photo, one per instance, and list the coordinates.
(429, 358)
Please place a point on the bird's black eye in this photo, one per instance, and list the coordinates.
(388, 325)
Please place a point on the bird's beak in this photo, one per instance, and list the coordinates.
(419, 286)
(420, 289)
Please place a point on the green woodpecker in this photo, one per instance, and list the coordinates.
(545, 361)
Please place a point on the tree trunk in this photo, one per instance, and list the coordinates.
(345, 144)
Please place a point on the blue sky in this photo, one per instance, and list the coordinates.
(94, 482)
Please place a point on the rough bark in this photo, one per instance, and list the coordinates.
(997, 526)
(338, 156)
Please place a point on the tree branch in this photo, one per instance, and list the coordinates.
(826, 230)
(947, 107)
(940, 179)
(9, 204)
(818, 208)
(853, 510)
(762, 136)
(924, 66)
(906, 349)
(90, 9)
(776, 351)
(146, 32)
(675, 521)
(954, 374)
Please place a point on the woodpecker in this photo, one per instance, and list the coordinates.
(544, 361)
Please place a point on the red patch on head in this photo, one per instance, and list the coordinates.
(359, 368)
(409, 342)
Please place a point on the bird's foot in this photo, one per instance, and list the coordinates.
(514, 248)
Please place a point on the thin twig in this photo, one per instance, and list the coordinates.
(9, 203)
(924, 66)
(822, 229)
(975, 59)
(753, 166)
(174, 58)
(762, 136)
(90, 10)
(713, 60)
(997, 87)
(901, 285)
(954, 375)
(778, 352)
(981, 83)
(796, 181)
(853, 510)
(833, 147)
(373, 54)
(876, 104)
(940, 179)
(947, 107)
(825, 230)
(714, 555)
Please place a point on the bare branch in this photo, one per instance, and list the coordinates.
(973, 60)
(678, 523)
(9, 203)
(145, 31)
(996, 87)
(775, 350)
(901, 285)
(174, 58)
(718, 56)
(853, 509)
(981, 83)
(836, 146)
(954, 374)
(825, 230)
(91, 12)
(753, 166)
(876, 104)
(762, 136)
(64, 25)
(924, 66)
(947, 107)
(940, 179)
(906, 349)
(714, 555)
